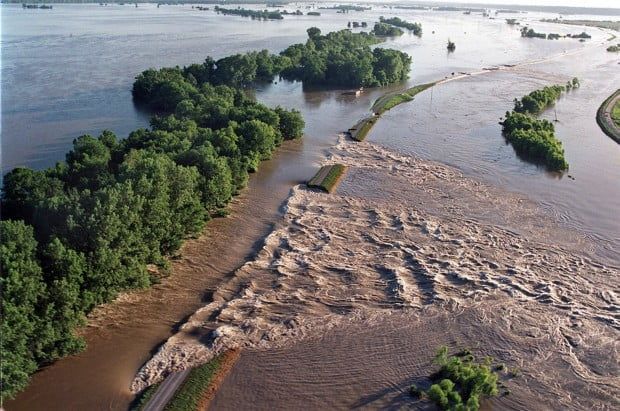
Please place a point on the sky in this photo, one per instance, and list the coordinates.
(574, 3)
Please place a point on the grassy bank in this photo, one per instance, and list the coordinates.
(143, 398)
(615, 113)
(391, 100)
(384, 103)
(200, 385)
(359, 131)
(327, 178)
(610, 124)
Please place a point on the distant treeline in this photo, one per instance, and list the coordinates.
(357, 24)
(341, 59)
(255, 14)
(605, 24)
(386, 30)
(416, 28)
(533, 138)
(37, 6)
(451, 8)
(530, 33)
(345, 7)
(411, 7)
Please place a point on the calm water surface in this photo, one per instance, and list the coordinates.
(68, 71)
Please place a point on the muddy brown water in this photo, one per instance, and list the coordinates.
(83, 59)
(121, 335)
(413, 239)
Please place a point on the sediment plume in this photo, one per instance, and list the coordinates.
(403, 235)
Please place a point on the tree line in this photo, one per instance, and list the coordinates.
(530, 33)
(341, 59)
(106, 219)
(534, 138)
(75, 235)
(254, 14)
(345, 59)
(386, 30)
(416, 28)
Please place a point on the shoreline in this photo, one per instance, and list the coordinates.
(228, 361)
(371, 279)
(603, 117)
(161, 309)
(131, 299)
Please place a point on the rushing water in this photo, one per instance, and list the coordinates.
(69, 70)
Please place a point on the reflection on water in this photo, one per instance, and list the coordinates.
(69, 71)
(458, 123)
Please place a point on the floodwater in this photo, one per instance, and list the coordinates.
(418, 239)
(68, 71)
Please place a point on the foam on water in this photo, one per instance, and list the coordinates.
(407, 235)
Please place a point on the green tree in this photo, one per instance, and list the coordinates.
(291, 123)
(172, 207)
(235, 70)
(313, 33)
(216, 182)
(265, 67)
(64, 272)
(23, 189)
(88, 163)
(257, 137)
(22, 288)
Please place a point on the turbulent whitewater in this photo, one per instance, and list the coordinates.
(403, 236)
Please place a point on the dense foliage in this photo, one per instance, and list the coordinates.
(345, 8)
(582, 35)
(461, 382)
(534, 138)
(341, 58)
(28, 310)
(386, 30)
(614, 48)
(416, 28)
(529, 32)
(77, 234)
(344, 59)
(191, 392)
(538, 100)
(255, 14)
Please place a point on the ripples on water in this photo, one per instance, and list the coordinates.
(83, 58)
(406, 235)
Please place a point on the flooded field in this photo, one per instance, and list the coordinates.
(406, 244)
(405, 235)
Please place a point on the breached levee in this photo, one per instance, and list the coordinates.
(403, 234)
